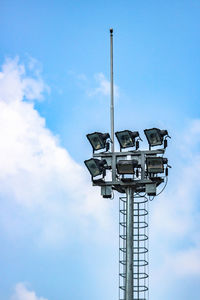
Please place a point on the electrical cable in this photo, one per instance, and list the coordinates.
(151, 199)
(140, 196)
(164, 186)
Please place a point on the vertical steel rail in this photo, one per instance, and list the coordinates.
(129, 245)
(111, 91)
(138, 249)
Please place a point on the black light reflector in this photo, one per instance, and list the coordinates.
(126, 166)
(155, 165)
(98, 140)
(95, 166)
(126, 138)
(155, 136)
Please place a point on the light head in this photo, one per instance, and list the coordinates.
(127, 166)
(95, 166)
(155, 164)
(126, 138)
(155, 136)
(98, 140)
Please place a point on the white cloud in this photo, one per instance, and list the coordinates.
(22, 293)
(175, 216)
(15, 85)
(187, 262)
(44, 192)
(103, 86)
(39, 181)
(99, 85)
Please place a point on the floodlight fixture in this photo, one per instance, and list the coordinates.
(155, 136)
(155, 164)
(126, 138)
(127, 166)
(98, 140)
(95, 166)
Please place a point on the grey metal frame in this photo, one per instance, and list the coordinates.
(113, 157)
(134, 225)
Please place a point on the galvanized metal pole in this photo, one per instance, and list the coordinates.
(129, 244)
(111, 91)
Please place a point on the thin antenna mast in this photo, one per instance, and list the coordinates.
(111, 92)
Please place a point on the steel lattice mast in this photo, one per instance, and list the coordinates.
(136, 174)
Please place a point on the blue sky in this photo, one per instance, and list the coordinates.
(59, 239)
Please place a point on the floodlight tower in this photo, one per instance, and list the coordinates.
(136, 174)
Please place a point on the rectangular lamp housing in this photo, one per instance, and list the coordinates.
(155, 165)
(96, 140)
(94, 167)
(126, 166)
(125, 139)
(153, 136)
